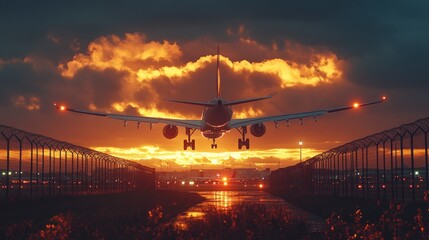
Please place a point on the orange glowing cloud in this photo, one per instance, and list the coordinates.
(152, 110)
(145, 154)
(323, 69)
(248, 112)
(121, 54)
(149, 110)
(175, 71)
(129, 54)
(144, 62)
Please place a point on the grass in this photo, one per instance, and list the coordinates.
(242, 221)
(143, 215)
(111, 216)
(366, 218)
(150, 215)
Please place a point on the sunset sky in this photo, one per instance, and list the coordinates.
(129, 57)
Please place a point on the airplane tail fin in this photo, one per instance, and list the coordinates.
(218, 92)
(218, 75)
(234, 174)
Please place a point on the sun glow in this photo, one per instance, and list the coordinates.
(151, 155)
(321, 70)
(248, 112)
(151, 111)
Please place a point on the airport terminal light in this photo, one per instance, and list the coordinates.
(300, 151)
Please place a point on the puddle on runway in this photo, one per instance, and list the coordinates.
(224, 200)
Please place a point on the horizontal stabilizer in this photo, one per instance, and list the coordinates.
(246, 100)
(193, 103)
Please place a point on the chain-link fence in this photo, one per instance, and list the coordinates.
(391, 165)
(33, 166)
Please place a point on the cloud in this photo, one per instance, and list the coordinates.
(25, 82)
(268, 157)
(126, 54)
(313, 54)
(99, 88)
(154, 70)
(29, 103)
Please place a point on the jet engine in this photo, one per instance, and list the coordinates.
(170, 131)
(257, 130)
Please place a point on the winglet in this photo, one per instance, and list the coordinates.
(218, 74)
(356, 105)
(60, 107)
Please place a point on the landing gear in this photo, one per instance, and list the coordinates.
(189, 143)
(243, 141)
(214, 145)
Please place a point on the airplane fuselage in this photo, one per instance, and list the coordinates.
(216, 119)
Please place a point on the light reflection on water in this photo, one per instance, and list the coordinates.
(224, 200)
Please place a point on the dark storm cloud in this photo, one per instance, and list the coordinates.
(199, 86)
(144, 95)
(250, 84)
(25, 79)
(384, 42)
(101, 88)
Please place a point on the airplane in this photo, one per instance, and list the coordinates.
(217, 118)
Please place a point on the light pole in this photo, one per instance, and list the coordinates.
(300, 151)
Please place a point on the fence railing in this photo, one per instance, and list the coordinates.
(391, 165)
(33, 166)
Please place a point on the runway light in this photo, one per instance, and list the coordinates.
(261, 186)
(356, 105)
(384, 98)
(62, 108)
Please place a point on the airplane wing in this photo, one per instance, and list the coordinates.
(237, 123)
(193, 124)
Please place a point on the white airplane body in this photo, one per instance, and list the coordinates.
(217, 119)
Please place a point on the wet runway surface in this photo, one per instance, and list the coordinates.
(224, 200)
